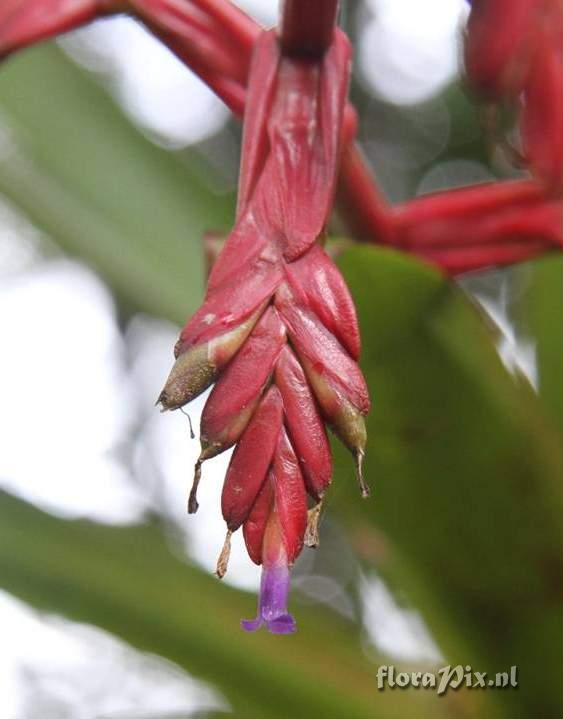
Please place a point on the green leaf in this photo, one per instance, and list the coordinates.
(540, 312)
(468, 478)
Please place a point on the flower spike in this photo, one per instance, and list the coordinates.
(277, 330)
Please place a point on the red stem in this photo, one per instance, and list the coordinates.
(238, 25)
(456, 261)
(541, 221)
(181, 23)
(463, 201)
(364, 209)
(307, 26)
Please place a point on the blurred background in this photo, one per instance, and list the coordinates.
(114, 160)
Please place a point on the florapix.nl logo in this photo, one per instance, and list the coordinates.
(445, 678)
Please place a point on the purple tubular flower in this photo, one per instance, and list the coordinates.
(272, 602)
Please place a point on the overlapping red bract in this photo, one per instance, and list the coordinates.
(305, 336)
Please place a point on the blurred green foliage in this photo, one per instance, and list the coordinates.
(466, 460)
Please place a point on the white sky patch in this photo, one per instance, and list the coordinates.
(264, 11)
(409, 50)
(65, 400)
(154, 88)
(79, 671)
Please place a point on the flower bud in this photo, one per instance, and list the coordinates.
(317, 284)
(197, 367)
(344, 417)
(255, 524)
(290, 498)
(255, 267)
(251, 459)
(322, 351)
(304, 424)
(237, 391)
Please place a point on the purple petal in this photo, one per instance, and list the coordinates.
(282, 625)
(272, 603)
(251, 625)
(274, 589)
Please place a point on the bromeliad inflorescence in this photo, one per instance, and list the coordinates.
(277, 334)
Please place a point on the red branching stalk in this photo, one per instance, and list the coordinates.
(362, 205)
(492, 224)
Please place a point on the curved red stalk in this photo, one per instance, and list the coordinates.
(360, 202)
(203, 48)
(24, 23)
(535, 222)
(469, 259)
(464, 201)
(237, 26)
